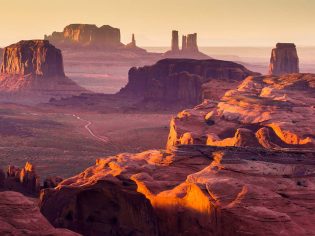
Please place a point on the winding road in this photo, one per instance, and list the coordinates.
(87, 127)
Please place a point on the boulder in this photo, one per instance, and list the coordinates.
(284, 59)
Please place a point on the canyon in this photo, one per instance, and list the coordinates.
(189, 145)
(219, 171)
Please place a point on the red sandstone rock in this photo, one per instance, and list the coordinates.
(273, 110)
(35, 67)
(52, 182)
(21, 216)
(284, 59)
(87, 35)
(195, 190)
(26, 176)
(180, 80)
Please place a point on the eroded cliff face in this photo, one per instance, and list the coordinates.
(284, 59)
(194, 190)
(264, 111)
(87, 35)
(33, 57)
(182, 80)
(35, 67)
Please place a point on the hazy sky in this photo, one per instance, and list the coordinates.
(217, 22)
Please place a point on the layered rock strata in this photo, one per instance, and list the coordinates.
(35, 67)
(264, 111)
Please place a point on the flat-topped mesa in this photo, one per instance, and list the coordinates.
(175, 42)
(175, 81)
(87, 35)
(33, 57)
(284, 59)
(35, 68)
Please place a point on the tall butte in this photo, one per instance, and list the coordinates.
(284, 59)
(35, 67)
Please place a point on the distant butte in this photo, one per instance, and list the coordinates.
(284, 59)
(189, 47)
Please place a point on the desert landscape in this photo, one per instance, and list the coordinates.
(162, 126)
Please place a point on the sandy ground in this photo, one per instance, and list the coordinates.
(58, 143)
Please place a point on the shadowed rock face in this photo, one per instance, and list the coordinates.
(87, 35)
(34, 57)
(284, 59)
(180, 80)
(21, 216)
(103, 207)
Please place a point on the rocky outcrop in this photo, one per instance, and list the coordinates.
(21, 216)
(87, 35)
(189, 47)
(284, 59)
(195, 190)
(264, 111)
(36, 67)
(26, 176)
(181, 80)
(132, 46)
(100, 206)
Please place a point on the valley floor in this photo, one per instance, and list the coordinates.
(63, 143)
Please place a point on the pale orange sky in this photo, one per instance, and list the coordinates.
(217, 22)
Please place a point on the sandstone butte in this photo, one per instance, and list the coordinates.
(35, 67)
(243, 165)
(284, 59)
(185, 81)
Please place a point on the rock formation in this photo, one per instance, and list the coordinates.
(190, 44)
(189, 47)
(103, 207)
(34, 58)
(26, 176)
(244, 165)
(87, 35)
(175, 41)
(284, 59)
(21, 216)
(36, 67)
(223, 191)
(264, 111)
(181, 80)
(132, 46)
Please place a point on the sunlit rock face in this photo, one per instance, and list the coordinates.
(264, 111)
(26, 176)
(21, 216)
(87, 35)
(194, 190)
(35, 66)
(183, 80)
(33, 57)
(284, 59)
